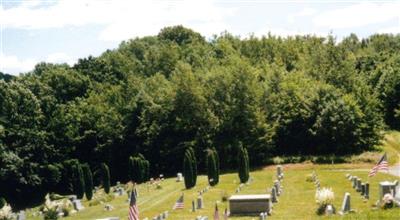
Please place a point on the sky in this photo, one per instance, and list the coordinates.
(62, 31)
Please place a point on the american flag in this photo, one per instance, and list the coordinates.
(226, 214)
(216, 214)
(133, 209)
(381, 165)
(179, 203)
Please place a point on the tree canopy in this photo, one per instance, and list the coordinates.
(159, 95)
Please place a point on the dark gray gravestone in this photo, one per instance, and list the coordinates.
(358, 188)
(366, 194)
(346, 203)
(362, 189)
(200, 204)
(354, 183)
(165, 214)
(193, 206)
(274, 198)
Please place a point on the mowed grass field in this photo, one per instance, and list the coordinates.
(296, 202)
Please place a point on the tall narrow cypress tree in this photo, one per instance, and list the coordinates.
(194, 164)
(105, 174)
(79, 182)
(243, 167)
(217, 165)
(211, 168)
(87, 174)
(188, 170)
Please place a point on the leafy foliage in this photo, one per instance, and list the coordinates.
(159, 95)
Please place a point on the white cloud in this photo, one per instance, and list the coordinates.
(390, 30)
(358, 15)
(283, 32)
(122, 19)
(14, 65)
(305, 12)
(60, 58)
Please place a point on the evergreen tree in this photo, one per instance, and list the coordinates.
(188, 170)
(105, 173)
(212, 172)
(243, 164)
(79, 182)
(194, 164)
(88, 177)
(216, 165)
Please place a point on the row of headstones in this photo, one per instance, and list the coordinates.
(359, 186)
(201, 192)
(329, 210)
(316, 180)
(276, 191)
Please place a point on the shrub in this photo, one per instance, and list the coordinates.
(105, 174)
(87, 174)
(6, 212)
(212, 167)
(324, 197)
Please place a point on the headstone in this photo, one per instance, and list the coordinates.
(329, 210)
(165, 214)
(362, 189)
(155, 218)
(21, 215)
(108, 207)
(366, 193)
(201, 218)
(159, 217)
(200, 204)
(262, 216)
(277, 188)
(346, 203)
(274, 198)
(348, 175)
(358, 188)
(386, 187)
(179, 177)
(278, 170)
(354, 183)
(193, 206)
(78, 205)
(250, 204)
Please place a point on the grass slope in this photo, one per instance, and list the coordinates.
(296, 202)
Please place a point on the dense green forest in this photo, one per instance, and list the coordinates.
(160, 95)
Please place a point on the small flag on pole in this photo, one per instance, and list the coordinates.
(381, 165)
(226, 214)
(133, 208)
(216, 214)
(179, 203)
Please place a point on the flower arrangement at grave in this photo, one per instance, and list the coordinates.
(51, 208)
(387, 201)
(6, 212)
(324, 198)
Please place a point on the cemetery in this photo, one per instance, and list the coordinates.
(175, 125)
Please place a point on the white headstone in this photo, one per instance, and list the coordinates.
(329, 210)
(78, 205)
(179, 177)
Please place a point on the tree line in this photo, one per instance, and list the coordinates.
(157, 96)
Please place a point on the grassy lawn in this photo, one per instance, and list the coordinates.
(296, 202)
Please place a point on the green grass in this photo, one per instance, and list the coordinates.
(296, 202)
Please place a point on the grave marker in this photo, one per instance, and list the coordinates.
(250, 204)
(366, 193)
(358, 186)
(78, 205)
(386, 187)
(346, 203)
(200, 204)
(274, 198)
